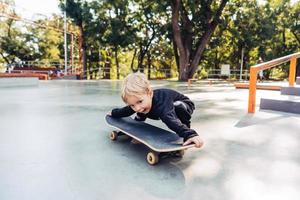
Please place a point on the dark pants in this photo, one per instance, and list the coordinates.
(184, 112)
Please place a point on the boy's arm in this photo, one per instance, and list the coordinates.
(194, 140)
(172, 121)
(140, 117)
(122, 112)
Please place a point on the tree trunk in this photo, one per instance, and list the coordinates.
(117, 62)
(141, 59)
(183, 60)
(4, 57)
(199, 52)
(149, 65)
(206, 38)
(188, 59)
(144, 50)
(297, 38)
(106, 74)
(107, 65)
(132, 61)
(283, 39)
(175, 49)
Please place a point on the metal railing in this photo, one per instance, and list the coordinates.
(101, 71)
(51, 66)
(234, 73)
(254, 70)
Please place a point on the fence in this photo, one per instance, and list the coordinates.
(234, 74)
(105, 73)
(37, 66)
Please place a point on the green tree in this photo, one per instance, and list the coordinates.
(150, 27)
(193, 24)
(294, 21)
(14, 45)
(46, 38)
(79, 12)
(120, 33)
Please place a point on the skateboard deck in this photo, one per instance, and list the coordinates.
(157, 139)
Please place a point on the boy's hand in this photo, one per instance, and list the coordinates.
(109, 113)
(196, 140)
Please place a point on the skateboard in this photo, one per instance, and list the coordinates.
(159, 141)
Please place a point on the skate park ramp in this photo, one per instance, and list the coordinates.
(54, 144)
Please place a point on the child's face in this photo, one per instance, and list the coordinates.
(140, 103)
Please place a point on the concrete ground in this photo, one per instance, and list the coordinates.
(54, 144)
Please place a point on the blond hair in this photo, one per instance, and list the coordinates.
(135, 84)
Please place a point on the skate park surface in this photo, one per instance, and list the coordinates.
(54, 144)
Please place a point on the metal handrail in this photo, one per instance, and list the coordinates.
(254, 70)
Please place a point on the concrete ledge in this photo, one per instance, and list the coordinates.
(67, 77)
(290, 91)
(21, 81)
(290, 104)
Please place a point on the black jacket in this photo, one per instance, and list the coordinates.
(163, 108)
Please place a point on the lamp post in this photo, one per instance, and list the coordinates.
(242, 63)
(65, 37)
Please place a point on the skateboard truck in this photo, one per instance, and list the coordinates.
(152, 156)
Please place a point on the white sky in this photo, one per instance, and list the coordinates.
(29, 7)
(47, 7)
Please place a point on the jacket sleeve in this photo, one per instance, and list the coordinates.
(173, 123)
(140, 117)
(122, 112)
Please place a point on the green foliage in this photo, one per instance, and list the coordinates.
(15, 45)
(138, 33)
(28, 41)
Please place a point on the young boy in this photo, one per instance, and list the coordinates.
(173, 108)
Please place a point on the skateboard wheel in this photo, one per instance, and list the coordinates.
(113, 135)
(152, 158)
